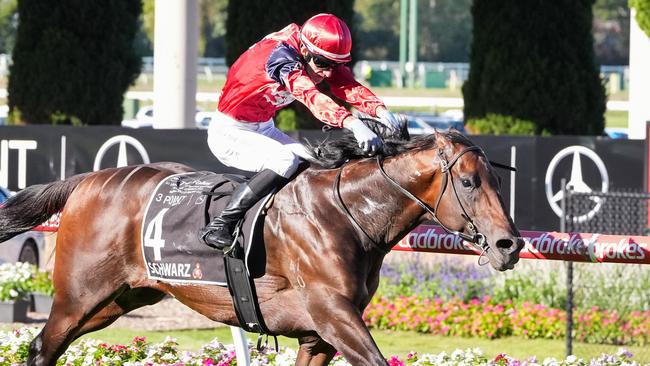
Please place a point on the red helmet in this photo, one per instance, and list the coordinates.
(327, 36)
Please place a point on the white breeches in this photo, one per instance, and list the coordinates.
(254, 146)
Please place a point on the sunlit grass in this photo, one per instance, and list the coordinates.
(616, 119)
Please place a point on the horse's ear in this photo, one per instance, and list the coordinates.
(442, 142)
(440, 138)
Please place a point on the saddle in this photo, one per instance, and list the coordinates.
(180, 206)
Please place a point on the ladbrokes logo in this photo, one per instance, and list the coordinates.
(540, 245)
(594, 248)
(434, 240)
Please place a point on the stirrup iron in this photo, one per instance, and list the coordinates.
(235, 234)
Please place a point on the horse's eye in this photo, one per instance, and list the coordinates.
(466, 183)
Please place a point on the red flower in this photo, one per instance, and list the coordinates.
(395, 361)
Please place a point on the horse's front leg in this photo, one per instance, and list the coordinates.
(338, 321)
(314, 351)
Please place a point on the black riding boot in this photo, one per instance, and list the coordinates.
(218, 233)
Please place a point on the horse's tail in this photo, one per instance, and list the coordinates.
(34, 205)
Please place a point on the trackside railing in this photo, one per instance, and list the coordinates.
(622, 215)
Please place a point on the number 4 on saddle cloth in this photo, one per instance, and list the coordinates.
(180, 206)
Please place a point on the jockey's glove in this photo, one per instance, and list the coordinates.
(388, 119)
(367, 140)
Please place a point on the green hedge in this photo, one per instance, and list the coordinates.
(497, 124)
(73, 60)
(533, 60)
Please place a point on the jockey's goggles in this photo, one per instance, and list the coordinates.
(322, 62)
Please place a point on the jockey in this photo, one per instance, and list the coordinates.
(284, 66)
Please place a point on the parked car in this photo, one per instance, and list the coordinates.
(426, 123)
(26, 247)
(617, 132)
(144, 119)
(203, 119)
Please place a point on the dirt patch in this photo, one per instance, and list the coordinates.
(168, 314)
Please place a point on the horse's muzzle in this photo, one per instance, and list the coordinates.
(508, 249)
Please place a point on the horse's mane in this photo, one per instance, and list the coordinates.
(332, 153)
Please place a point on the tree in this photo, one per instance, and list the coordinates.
(212, 31)
(534, 61)
(8, 24)
(642, 8)
(612, 32)
(212, 25)
(73, 60)
(378, 31)
(444, 29)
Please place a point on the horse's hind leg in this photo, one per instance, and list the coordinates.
(126, 302)
(62, 327)
(69, 313)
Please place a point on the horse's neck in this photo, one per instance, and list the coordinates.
(383, 211)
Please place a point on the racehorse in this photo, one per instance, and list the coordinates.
(326, 236)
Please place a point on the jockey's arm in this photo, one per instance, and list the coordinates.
(302, 87)
(345, 87)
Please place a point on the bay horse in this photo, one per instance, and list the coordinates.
(326, 236)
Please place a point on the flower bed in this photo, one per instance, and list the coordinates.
(14, 347)
(489, 319)
(15, 281)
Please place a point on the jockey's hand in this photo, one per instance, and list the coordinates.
(388, 119)
(368, 140)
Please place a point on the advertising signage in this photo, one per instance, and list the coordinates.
(40, 154)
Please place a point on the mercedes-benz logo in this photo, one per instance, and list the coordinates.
(576, 181)
(121, 141)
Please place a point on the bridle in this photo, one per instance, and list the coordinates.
(475, 237)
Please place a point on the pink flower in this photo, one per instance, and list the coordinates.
(395, 361)
(208, 362)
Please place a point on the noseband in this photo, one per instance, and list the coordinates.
(475, 237)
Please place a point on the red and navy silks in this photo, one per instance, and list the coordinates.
(271, 74)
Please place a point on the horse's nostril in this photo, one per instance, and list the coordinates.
(504, 243)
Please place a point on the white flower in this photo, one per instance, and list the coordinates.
(550, 361)
(457, 354)
(571, 359)
(168, 357)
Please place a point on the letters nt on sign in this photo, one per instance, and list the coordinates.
(22, 146)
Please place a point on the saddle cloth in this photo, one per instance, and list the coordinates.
(177, 210)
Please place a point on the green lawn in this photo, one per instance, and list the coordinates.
(616, 119)
(391, 343)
